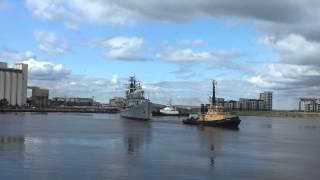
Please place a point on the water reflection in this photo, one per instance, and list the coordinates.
(12, 128)
(209, 136)
(85, 146)
(136, 134)
(12, 142)
(212, 155)
(211, 139)
(12, 139)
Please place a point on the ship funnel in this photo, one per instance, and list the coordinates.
(206, 108)
(213, 102)
(202, 109)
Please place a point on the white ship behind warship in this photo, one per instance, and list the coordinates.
(137, 106)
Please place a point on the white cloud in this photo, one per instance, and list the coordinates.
(185, 71)
(296, 71)
(285, 76)
(189, 55)
(100, 82)
(44, 70)
(185, 93)
(102, 12)
(123, 48)
(294, 49)
(11, 55)
(273, 16)
(114, 79)
(50, 42)
(54, 10)
(61, 81)
(298, 65)
(80, 86)
(73, 83)
(75, 12)
(195, 42)
(38, 69)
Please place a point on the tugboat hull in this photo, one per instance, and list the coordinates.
(230, 123)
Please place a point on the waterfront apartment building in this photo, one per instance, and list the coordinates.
(267, 98)
(230, 105)
(309, 104)
(250, 104)
(13, 83)
(264, 103)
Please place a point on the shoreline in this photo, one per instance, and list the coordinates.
(292, 114)
(53, 110)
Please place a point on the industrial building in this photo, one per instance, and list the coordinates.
(40, 97)
(118, 102)
(267, 98)
(13, 83)
(309, 104)
(71, 101)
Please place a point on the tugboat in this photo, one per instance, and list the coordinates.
(214, 115)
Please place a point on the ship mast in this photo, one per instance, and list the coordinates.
(132, 84)
(213, 101)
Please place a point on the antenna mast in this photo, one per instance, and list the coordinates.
(214, 92)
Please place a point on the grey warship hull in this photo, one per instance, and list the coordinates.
(140, 111)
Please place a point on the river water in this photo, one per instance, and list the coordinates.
(68, 146)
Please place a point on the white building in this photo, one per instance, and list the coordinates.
(267, 98)
(13, 83)
(309, 104)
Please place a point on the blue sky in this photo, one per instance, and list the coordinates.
(88, 48)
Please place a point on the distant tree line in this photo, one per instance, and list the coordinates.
(4, 103)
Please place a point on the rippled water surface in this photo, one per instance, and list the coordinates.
(68, 146)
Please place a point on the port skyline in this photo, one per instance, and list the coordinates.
(80, 54)
(159, 89)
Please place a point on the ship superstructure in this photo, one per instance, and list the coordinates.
(137, 106)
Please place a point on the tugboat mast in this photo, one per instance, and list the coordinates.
(213, 101)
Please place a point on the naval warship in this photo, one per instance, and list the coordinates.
(214, 115)
(137, 106)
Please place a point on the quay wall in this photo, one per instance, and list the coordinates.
(293, 114)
